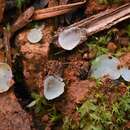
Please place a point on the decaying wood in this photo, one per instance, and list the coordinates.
(2, 7)
(102, 21)
(20, 23)
(6, 42)
(26, 17)
(56, 11)
(23, 20)
(63, 2)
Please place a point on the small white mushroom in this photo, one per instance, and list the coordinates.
(125, 73)
(103, 66)
(70, 38)
(53, 87)
(35, 35)
(5, 77)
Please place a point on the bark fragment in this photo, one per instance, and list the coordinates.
(2, 7)
(96, 23)
(6, 42)
(56, 10)
(22, 20)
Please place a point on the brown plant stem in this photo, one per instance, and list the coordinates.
(2, 7)
(56, 11)
(101, 21)
(48, 15)
(6, 42)
(22, 20)
(104, 20)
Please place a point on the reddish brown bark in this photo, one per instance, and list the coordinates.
(56, 10)
(2, 7)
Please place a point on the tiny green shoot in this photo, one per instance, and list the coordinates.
(128, 30)
(38, 103)
(20, 3)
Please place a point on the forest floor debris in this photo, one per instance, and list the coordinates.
(82, 102)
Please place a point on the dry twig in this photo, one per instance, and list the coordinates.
(94, 24)
(2, 7)
(56, 11)
(104, 20)
(6, 42)
(22, 20)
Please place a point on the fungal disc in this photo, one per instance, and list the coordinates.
(35, 35)
(103, 65)
(70, 38)
(5, 77)
(53, 87)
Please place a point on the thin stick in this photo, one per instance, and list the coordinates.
(56, 11)
(58, 8)
(53, 14)
(22, 20)
(104, 20)
(2, 7)
(6, 42)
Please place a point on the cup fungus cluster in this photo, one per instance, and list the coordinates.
(109, 66)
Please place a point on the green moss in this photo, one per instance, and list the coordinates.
(128, 30)
(39, 103)
(20, 3)
(68, 124)
(98, 114)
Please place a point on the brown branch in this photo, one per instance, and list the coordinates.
(56, 11)
(2, 7)
(22, 20)
(48, 15)
(104, 20)
(6, 42)
(20, 23)
(101, 21)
